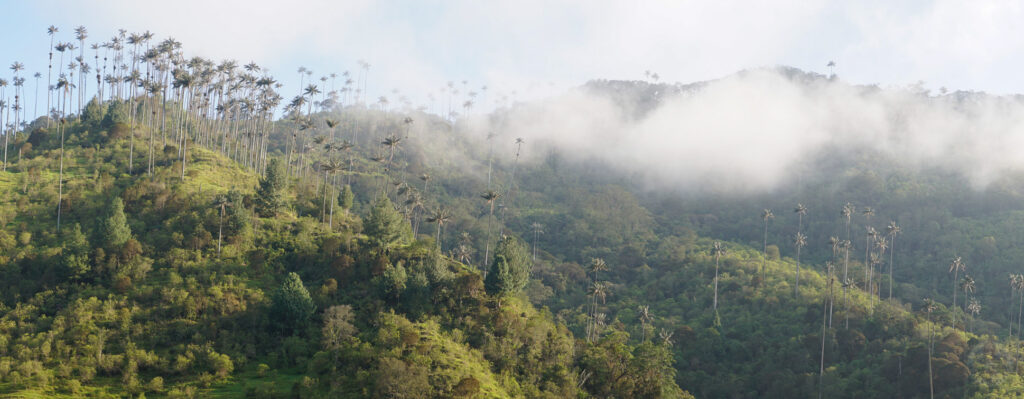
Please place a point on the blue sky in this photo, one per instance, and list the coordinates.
(541, 47)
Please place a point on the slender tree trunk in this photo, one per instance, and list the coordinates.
(931, 336)
(764, 253)
(892, 248)
(220, 229)
(821, 366)
(715, 303)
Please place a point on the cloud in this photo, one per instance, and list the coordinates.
(749, 132)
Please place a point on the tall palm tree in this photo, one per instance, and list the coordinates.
(868, 212)
(52, 30)
(800, 240)
(597, 265)
(538, 229)
(1018, 282)
(800, 211)
(878, 259)
(441, 216)
(825, 315)
(391, 142)
(598, 290)
(955, 267)
(871, 234)
(766, 215)
(891, 230)
(490, 196)
(645, 317)
(717, 250)
(928, 308)
(220, 202)
(974, 308)
(330, 168)
(967, 285)
(1014, 284)
(847, 213)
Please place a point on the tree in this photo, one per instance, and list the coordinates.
(928, 308)
(645, 317)
(269, 196)
(510, 269)
(717, 251)
(220, 202)
(766, 215)
(337, 326)
(115, 230)
(1017, 282)
(891, 230)
(868, 212)
(967, 285)
(75, 253)
(538, 229)
(974, 308)
(800, 240)
(385, 227)
(440, 216)
(346, 198)
(490, 196)
(955, 267)
(291, 305)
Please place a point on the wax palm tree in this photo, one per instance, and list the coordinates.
(1018, 282)
(666, 337)
(717, 250)
(871, 234)
(868, 212)
(967, 285)
(330, 168)
(440, 216)
(800, 240)
(52, 30)
(538, 229)
(598, 290)
(831, 66)
(878, 259)
(220, 202)
(597, 265)
(955, 267)
(891, 230)
(766, 215)
(645, 317)
(490, 196)
(392, 143)
(974, 308)
(825, 315)
(929, 307)
(847, 213)
(800, 211)
(1015, 282)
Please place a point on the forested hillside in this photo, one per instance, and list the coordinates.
(178, 233)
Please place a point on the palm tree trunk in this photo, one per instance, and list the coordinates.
(797, 291)
(821, 366)
(715, 303)
(220, 229)
(892, 248)
(764, 253)
(931, 380)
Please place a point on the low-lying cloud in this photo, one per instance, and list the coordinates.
(748, 131)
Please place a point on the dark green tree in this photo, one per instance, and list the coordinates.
(291, 306)
(269, 199)
(115, 230)
(510, 270)
(385, 227)
(346, 198)
(75, 253)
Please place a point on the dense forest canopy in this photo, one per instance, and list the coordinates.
(176, 226)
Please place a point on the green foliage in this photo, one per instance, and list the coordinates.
(385, 227)
(94, 113)
(510, 270)
(291, 306)
(346, 197)
(115, 230)
(75, 253)
(117, 113)
(269, 196)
